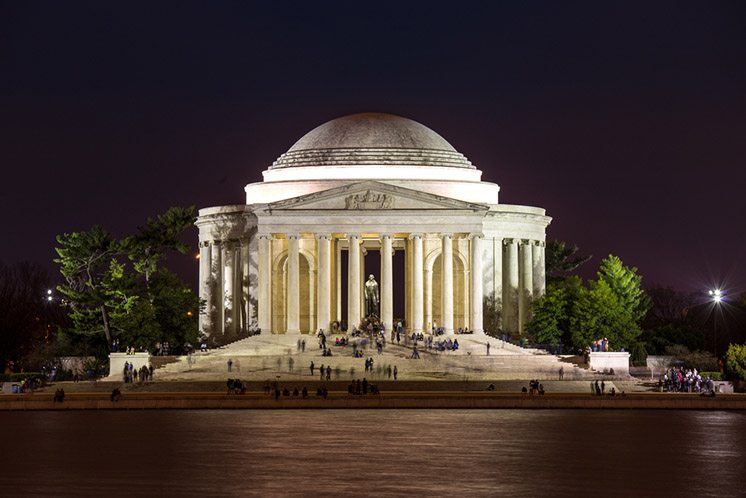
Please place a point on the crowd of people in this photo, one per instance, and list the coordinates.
(689, 380)
(358, 387)
(130, 374)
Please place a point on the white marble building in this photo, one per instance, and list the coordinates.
(368, 183)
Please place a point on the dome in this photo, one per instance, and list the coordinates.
(372, 139)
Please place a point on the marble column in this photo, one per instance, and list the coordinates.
(428, 320)
(526, 285)
(417, 287)
(387, 283)
(539, 269)
(265, 283)
(498, 277)
(244, 281)
(229, 280)
(353, 282)
(476, 285)
(446, 288)
(338, 279)
(216, 308)
(325, 279)
(293, 286)
(510, 287)
(205, 286)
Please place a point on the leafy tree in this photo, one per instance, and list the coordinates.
(625, 283)
(491, 312)
(157, 237)
(552, 312)
(177, 309)
(735, 360)
(116, 286)
(85, 260)
(561, 259)
(598, 313)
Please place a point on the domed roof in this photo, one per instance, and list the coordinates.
(372, 139)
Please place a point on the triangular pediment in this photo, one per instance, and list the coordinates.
(372, 196)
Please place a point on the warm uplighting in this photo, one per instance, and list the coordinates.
(196, 256)
(189, 313)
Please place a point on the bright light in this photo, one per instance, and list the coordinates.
(196, 256)
(49, 291)
(49, 298)
(717, 295)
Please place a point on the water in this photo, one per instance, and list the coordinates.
(545, 453)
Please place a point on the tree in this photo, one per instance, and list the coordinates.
(625, 283)
(27, 317)
(598, 313)
(491, 312)
(561, 259)
(551, 313)
(85, 260)
(735, 360)
(157, 237)
(116, 286)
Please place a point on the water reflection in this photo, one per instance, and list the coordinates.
(383, 452)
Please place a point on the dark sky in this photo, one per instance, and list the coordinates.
(626, 121)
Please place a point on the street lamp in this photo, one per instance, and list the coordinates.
(717, 297)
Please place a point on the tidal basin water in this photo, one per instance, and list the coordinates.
(537, 453)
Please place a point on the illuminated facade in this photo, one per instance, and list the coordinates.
(288, 259)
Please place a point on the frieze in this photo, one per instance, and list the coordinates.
(369, 200)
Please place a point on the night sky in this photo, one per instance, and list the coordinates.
(626, 121)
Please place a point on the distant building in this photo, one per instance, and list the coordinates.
(362, 184)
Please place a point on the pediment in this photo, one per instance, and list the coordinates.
(372, 196)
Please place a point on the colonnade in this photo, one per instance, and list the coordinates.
(228, 289)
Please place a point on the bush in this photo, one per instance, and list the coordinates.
(735, 360)
(712, 375)
(18, 377)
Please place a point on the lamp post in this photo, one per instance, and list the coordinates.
(717, 297)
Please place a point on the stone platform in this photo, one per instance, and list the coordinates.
(270, 357)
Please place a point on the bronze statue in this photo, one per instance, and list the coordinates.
(371, 296)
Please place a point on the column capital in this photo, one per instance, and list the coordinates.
(510, 241)
(476, 235)
(323, 236)
(413, 236)
(540, 243)
(353, 235)
(386, 236)
(446, 234)
(292, 236)
(265, 236)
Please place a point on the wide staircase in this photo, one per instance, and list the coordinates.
(271, 356)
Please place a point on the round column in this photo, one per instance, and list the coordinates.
(417, 287)
(510, 289)
(324, 281)
(293, 286)
(387, 283)
(539, 272)
(205, 286)
(446, 290)
(477, 324)
(526, 284)
(264, 313)
(353, 282)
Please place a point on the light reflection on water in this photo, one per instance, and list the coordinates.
(375, 452)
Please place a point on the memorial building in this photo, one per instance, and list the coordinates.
(361, 200)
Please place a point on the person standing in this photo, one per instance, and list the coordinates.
(328, 372)
(561, 372)
(230, 364)
(311, 369)
(396, 372)
(488, 349)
